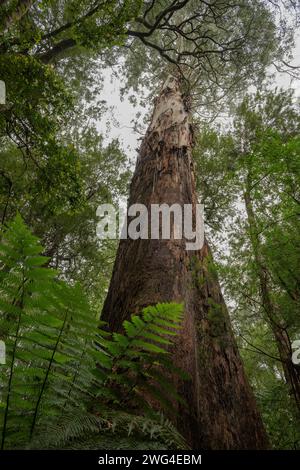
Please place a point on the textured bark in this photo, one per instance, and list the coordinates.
(280, 333)
(221, 412)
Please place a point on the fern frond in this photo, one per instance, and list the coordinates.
(60, 363)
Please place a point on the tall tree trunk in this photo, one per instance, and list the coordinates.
(221, 412)
(279, 330)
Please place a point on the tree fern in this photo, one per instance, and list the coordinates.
(111, 430)
(60, 364)
(142, 350)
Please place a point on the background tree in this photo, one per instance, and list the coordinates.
(55, 168)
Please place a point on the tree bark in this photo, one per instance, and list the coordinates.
(279, 330)
(56, 50)
(221, 412)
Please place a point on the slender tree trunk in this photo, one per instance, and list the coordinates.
(221, 412)
(280, 333)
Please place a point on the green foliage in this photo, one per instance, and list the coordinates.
(37, 106)
(57, 26)
(54, 168)
(111, 430)
(214, 152)
(60, 364)
(256, 163)
(219, 47)
(60, 203)
(48, 328)
(139, 357)
(32, 89)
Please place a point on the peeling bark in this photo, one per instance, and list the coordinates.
(221, 412)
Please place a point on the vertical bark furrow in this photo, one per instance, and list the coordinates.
(221, 412)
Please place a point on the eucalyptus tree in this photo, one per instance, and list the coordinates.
(210, 49)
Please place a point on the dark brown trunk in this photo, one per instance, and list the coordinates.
(279, 330)
(59, 48)
(221, 411)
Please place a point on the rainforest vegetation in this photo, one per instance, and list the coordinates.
(139, 343)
